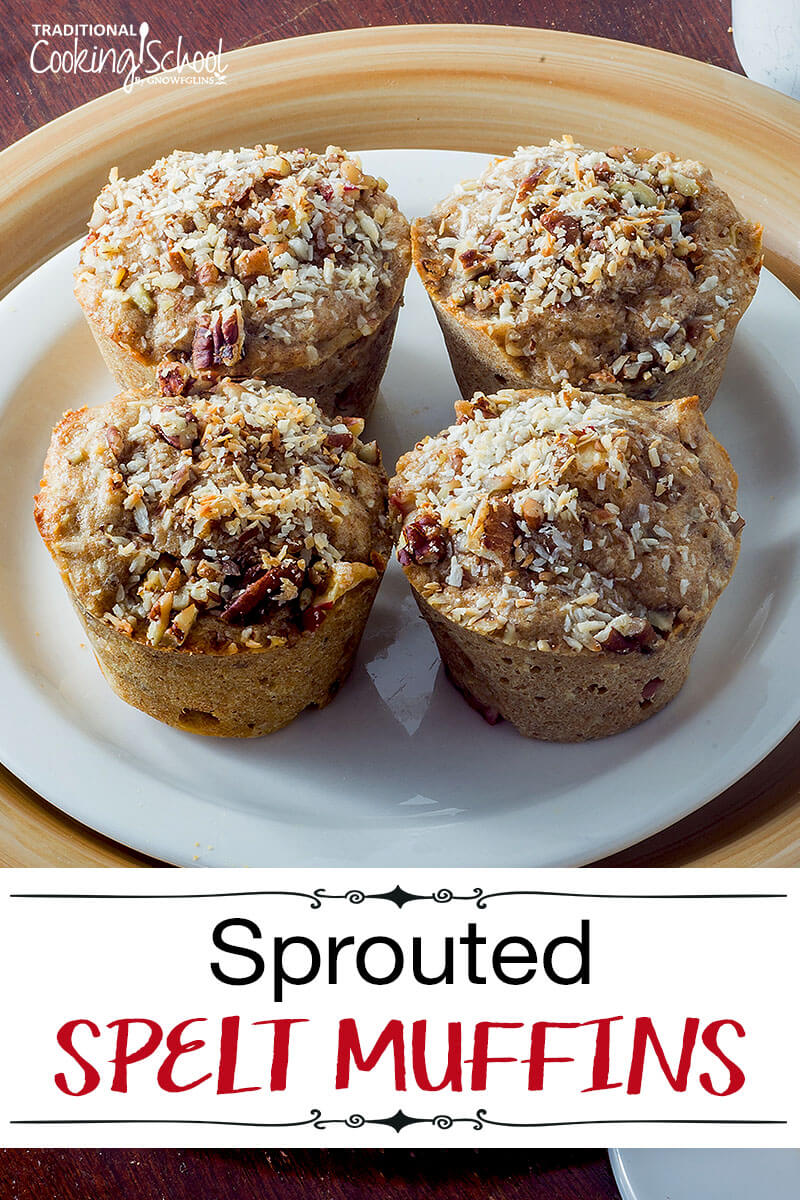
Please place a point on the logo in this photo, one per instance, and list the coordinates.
(125, 51)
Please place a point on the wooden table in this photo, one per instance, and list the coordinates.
(757, 822)
(305, 1175)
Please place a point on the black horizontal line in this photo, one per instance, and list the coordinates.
(289, 1124)
(302, 895)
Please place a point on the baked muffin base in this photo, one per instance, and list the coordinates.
(345, 383)
(561, 697)
(247, 694)
(479, 365)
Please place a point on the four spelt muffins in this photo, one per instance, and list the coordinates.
(254, 263)
(622, 270)
(223, 550)
(223, 539)
(566, 550)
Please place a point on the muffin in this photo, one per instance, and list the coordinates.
(223, 551)
(616, 271)
(566, 550)
(251, 263)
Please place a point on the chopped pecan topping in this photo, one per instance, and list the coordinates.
(178, 427)
(115, 441)
(425, 542)
(174, 378)
(561, 224)
(466, 409)
(499, 530)
(339, 441)
(474, 262)
(207, 273)
(178, 481)
(265, 587)
(639, 639)
(252, 263)
(218, 339)
(530, 181)
(736, 523)
(227, 330)
(203, 344)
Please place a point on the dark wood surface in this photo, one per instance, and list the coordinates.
(304, 1175)
(698, 28)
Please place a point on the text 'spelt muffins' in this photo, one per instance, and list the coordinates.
(223, 549)
(566, 550)
(254, 263)
(621, 270)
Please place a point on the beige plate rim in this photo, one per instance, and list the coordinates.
(403, 86)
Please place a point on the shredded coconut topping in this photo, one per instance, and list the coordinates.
(296, 253)
(613, 268)
(228, 517)
(545, 519)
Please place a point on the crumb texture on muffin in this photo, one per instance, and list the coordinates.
(232, 519)
(609, 270)
(242, 262)
(567, 521)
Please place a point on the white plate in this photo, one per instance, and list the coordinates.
(707, 1174)
(398, 770)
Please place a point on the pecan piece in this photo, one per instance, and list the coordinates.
(339, 441)
(174, 378)
(252, 263)
(314, 615)
(227, 330)
(203, 344)
(425, 542)
(650, 688)
(530, 181)
(177, 426)
(177, 481)
(115, 441)
(561, 224)
(466, 409)
(218, 339)
(640, 639)
(474, 262)
(265, 587)
(736, 523)
(207, 273)
(499, 530)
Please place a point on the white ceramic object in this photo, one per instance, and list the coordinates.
(707, 1174)
(766, 34)
(398, 770)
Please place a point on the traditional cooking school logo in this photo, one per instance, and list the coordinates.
(126, 51)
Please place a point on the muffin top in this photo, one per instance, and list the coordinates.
(247, 257)
(568, 521)
(235, 517)
(612, 268)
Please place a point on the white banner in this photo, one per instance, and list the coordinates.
(400, 1008)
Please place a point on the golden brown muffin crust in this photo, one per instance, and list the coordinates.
(243, 262)
(233, 517)
(569, 521)
(609, 270)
